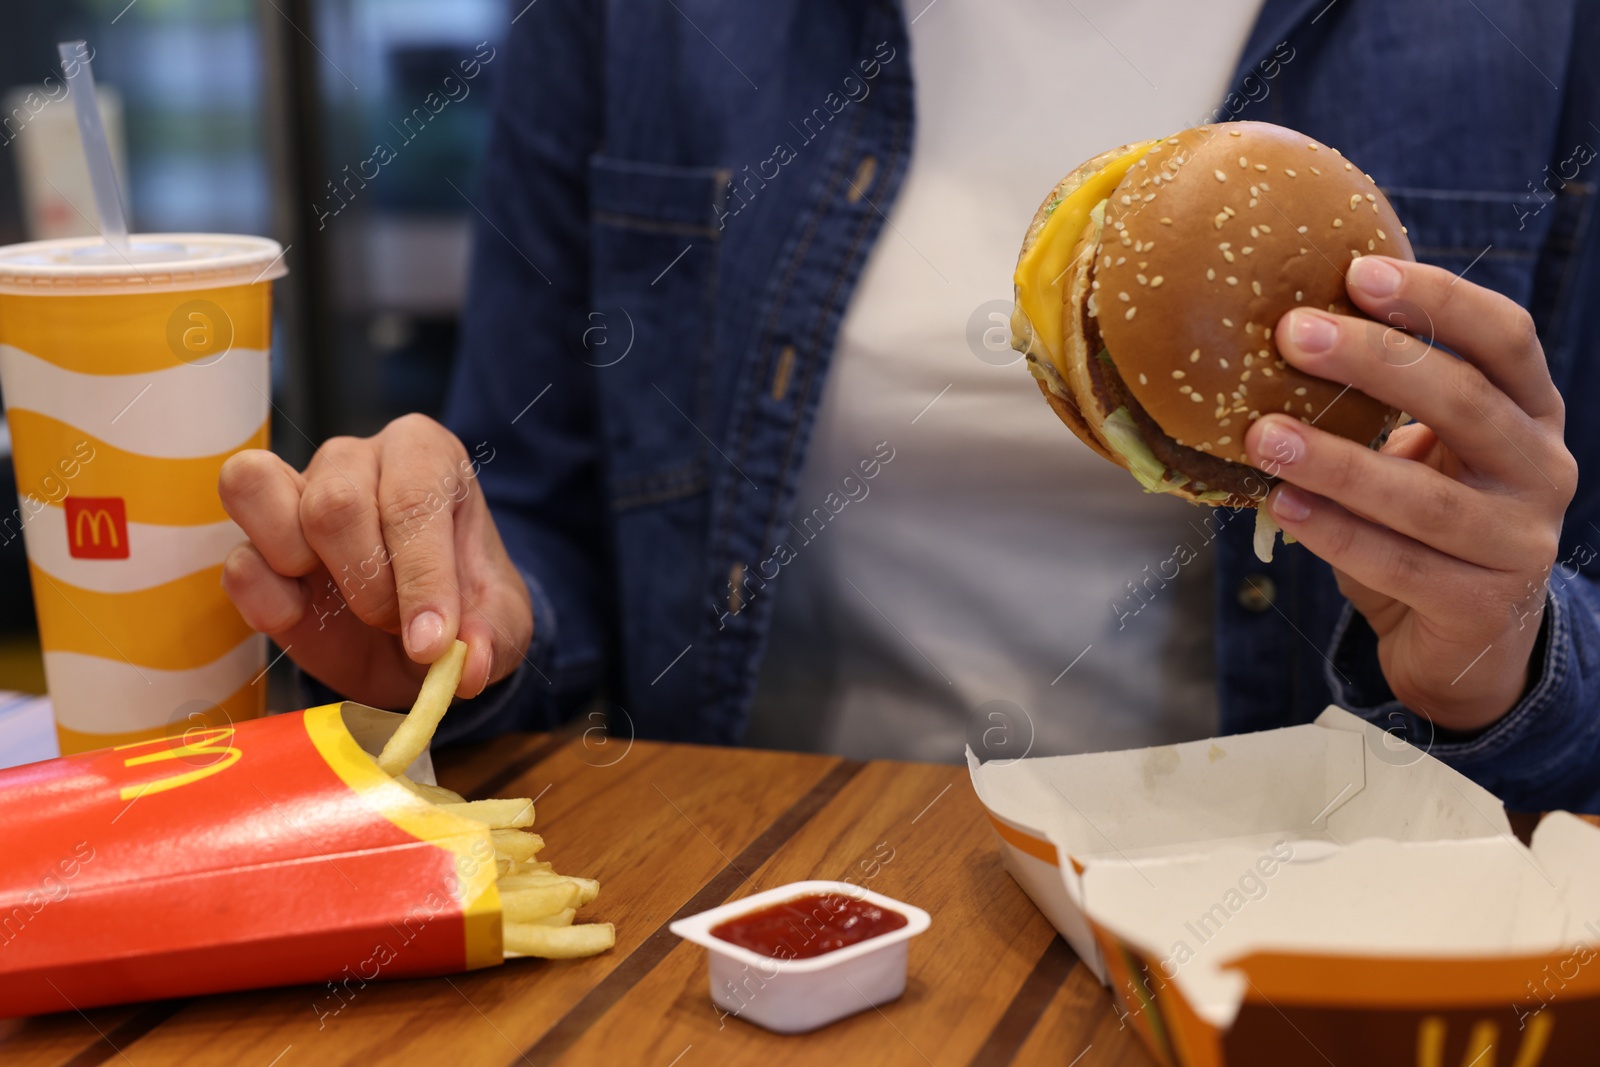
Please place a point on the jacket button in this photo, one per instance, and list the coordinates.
(1257, 592)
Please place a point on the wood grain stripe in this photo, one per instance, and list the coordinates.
(1036, 993)
(495, 784)
(603, 997)
(111, 1044)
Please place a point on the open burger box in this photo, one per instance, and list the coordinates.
(270, 852)
(1320, 893)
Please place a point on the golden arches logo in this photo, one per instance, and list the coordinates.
(94, 520)
(1481, 1042)
(194, 744)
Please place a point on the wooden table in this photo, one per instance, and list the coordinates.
(671, 830)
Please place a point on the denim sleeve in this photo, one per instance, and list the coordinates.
(1545, 753)
(521, 399)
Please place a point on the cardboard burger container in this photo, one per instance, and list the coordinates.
(269, 852)
(1320, 893)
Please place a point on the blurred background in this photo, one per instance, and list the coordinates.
(260, 117)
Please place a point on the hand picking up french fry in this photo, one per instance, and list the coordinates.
(537, 905)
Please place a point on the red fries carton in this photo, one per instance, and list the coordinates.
(1321, 893)
(269, 852)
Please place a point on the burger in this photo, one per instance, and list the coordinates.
(1149, 285)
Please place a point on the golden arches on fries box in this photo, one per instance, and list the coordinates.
(270, 852)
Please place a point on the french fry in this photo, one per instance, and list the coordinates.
(536, 902)
(563, 917)
(497, 814)
(434, 794)
(588, 888)
(412, 738)
(559, 942)
(516, 845)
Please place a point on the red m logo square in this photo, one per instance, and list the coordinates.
(97, 527)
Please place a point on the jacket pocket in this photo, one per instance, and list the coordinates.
(1519, 244)
(655, 242)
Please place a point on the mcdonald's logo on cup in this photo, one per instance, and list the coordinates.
(97, 527)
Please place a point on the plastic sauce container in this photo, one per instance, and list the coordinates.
(805, 954)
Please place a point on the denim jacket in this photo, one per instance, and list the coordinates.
(677, 203)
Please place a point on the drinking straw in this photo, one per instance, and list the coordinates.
(96, 149)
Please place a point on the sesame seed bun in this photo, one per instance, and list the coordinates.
(1207, 241)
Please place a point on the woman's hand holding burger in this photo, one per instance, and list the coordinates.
(1445, 537)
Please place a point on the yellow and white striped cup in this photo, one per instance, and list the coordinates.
(128, 379)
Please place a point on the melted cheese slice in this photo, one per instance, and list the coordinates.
(1041, 274)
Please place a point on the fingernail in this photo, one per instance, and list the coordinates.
(488, 676)
(424, 632)
(1311, 332)
(1290, 504)
(1276, 445)
(1375, 277)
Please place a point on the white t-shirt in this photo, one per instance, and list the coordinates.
(994, 550)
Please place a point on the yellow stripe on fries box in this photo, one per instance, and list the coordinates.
(1316, 893)
(270, 852)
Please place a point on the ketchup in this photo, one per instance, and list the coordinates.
(808, 926)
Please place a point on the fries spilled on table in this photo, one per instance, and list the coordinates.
(537, 905)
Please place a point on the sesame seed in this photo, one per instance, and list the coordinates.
(1157, 280)
(1217, 414)
(1143, 380)
(1229, 212)
(1300, 391)
(1243, 162)
(1121, 260)
(1249, 327)
(1289, 172)
(1312, 147)
(1123, 297)
(1266, 333)
(1308, 408)
(1316, 171)
(1247, 250)
(1211, 275)
(1221, 177)
(1245, 376)
(1404, 230)
(1266, 372)
(1129, 315)
(1371, 199)
(1231, 280)
(1287, 404)
(1141, 279)
(1261, 166)
(1300, 229)
(1252, 202)
(1371, 245)
(1337, 223)
(1228, 323)
(1195, 397)
(1222, 216)
(1303, 251)
(1165, 221)
(1149, 197)
(1265, 228)
(1264, 185)
(1348, 167)
(1221, 399)
(1225, 422)
(1228, 256)
(1194, 357)
(1382, 236)
(1224, 440)
(1185, 390)
(1231, 133)
(1299, 294)
(1095, 285)
(1255, 231)
(1255, 287)
(1355, 201)
(1249, 358)
(1126, 199)
(1255, 414)
(1255, 190)
(1177, 374)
